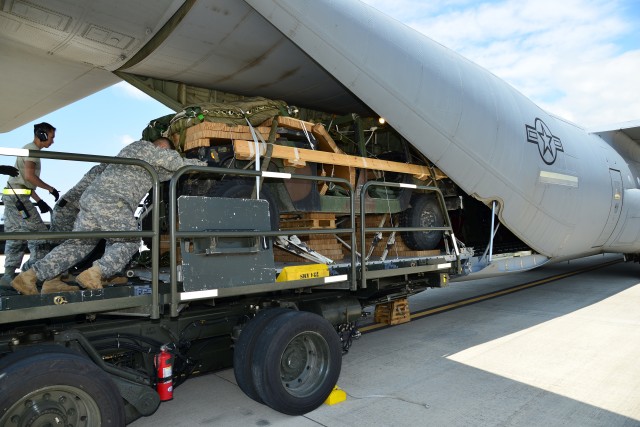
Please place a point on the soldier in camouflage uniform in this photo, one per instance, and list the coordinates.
(19, 213)
(108, 204)
(67, 208)
(64, 215)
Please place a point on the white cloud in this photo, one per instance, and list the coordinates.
(572, 57)
(126, 139)
(131, 91)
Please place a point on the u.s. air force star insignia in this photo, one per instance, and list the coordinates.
(548, 145)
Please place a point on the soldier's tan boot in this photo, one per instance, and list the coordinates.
(56, 285)
(91, 278)
(25, 282)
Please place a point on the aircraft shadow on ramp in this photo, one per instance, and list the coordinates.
(562, 353)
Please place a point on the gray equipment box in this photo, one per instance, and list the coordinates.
(225, 262)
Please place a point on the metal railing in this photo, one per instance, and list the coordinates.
(364, 230)
(174, 234)
(154, 234)
(356, 280)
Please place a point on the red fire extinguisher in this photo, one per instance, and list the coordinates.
(164, 373)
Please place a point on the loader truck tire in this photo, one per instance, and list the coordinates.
(57, 387)
(296, 362)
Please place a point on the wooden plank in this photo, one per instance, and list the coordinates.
(195, 143)
(318, 130)
(307, 223)
(325, 141)
(309, 215)
(244, 150)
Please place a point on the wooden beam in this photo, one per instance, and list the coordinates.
(244, 150)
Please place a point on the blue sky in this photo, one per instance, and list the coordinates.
(579, 59)
(101, 124)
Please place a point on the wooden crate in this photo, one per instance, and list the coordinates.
(393, 313)
(310, 220)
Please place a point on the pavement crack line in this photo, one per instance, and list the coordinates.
(386, 396)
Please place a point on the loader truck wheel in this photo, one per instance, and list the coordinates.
(296, 362)
(57, 387)
(244, 349)
(424, 212)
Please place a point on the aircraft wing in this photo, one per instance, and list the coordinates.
(54, 53)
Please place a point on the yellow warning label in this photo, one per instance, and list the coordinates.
(302, 272)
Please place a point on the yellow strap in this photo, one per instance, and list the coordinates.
(12, 192)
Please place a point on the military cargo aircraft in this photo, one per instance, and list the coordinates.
(558, 189)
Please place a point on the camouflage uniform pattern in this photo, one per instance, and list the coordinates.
(14, 249)
(65, 212)
(109, 204)
(13, 222)
(63, 217)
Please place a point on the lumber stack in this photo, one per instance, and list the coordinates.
(207, 134)
(325, 244)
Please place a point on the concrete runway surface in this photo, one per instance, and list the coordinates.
(562, 351)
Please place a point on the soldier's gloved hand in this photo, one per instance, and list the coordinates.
(9, 170)
(55, 194)
(43, 206)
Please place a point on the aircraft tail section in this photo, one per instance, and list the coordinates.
(547, 176)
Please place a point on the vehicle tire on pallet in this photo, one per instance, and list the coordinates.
(244, 349)
(424, 212)
(57, 387)
(296, 362)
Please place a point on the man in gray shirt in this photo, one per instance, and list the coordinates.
(19, 213)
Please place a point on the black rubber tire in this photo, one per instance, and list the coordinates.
(424, 211)
(57, 387)
(244, 348)
(244, 189)
(296, 362)
(29, 351)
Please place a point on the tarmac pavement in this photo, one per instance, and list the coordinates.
(559, 352)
